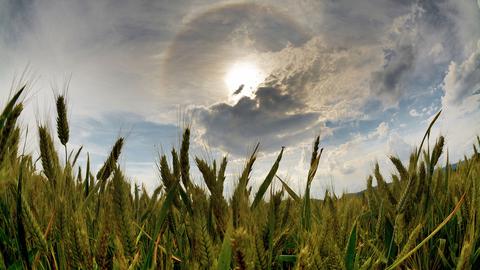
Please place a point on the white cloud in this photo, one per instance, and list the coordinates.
(397, 146)
(461, 104)
(466, 18)
(461, 82)
(436, 51)
(414, 113)
(381, 131)
(333, 81)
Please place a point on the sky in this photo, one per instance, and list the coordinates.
(365, 75)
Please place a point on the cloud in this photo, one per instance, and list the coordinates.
(403, 57)
(99, 133)
(331, 80)
(381, 131)
(397, 146)
(344, 22)
(436, 51)
(414, 113)
(465, 18)
(272, 117)
(363, 68)
(400, 56)
(461, 83)
(418, 46)
(388, 82)
(143, 140)
(111, 48)
(198, 59)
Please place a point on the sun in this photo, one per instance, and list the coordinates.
(242, 79)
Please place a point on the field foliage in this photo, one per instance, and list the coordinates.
(58, 214)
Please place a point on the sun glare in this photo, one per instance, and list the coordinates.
(242, 79)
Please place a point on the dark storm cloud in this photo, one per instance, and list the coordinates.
(272, 118)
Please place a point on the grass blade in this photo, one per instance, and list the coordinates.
(266, 183)
(439, 227)
(350, 253)
(289, 190)
(225, 257)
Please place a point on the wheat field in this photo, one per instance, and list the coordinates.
(63, 215)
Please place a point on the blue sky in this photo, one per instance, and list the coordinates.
(368, 75)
